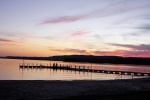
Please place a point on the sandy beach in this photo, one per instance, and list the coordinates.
(78, 89)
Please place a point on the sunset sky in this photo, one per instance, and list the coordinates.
(65, 27)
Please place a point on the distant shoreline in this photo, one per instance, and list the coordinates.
(89, 59)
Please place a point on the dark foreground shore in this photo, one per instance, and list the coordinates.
(136, 89)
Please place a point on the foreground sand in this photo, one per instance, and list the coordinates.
(73, 90)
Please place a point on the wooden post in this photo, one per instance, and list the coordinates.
(23, 61)
(50, 62)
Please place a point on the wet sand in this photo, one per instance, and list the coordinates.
(73, 90)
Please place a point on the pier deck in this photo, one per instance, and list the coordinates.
(83, 69)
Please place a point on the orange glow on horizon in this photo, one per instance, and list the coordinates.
(31, 50)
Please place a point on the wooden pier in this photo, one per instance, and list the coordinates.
(82, 69)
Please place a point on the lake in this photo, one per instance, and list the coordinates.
(10, 70)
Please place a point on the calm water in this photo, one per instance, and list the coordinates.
(9, 70)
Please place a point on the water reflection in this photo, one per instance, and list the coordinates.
(9, 70)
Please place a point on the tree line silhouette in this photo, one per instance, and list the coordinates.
(90, 59)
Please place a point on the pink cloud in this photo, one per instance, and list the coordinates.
(6, 40)
(111, 9)
(78, 51)
(65, 19)
(78, 33)
(9, 41)
(135, 47)
(124, 53)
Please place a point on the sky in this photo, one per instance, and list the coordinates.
(68, 27)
